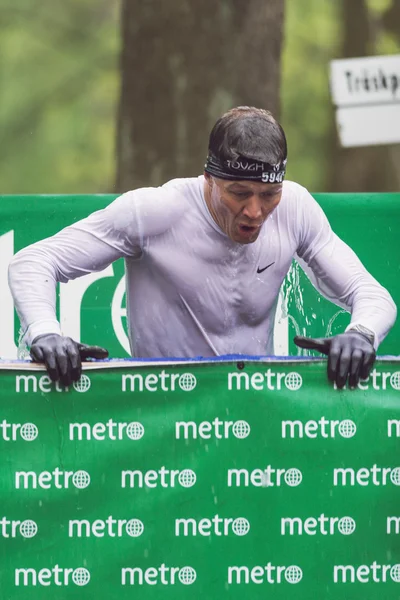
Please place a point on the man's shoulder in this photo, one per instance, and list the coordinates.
(174, 195)
(174, 189)
(184, 185)
(293, 190)
(296, 197)
(154, 209)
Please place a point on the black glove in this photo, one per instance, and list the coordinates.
(62, 356)
(350, 355)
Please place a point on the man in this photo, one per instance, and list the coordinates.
(205, 258)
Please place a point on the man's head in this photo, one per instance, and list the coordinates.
(244, 171)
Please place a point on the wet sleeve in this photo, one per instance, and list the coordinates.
(120, 230)
(338, 274)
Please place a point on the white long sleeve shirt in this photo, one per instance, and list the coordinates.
(191, 291)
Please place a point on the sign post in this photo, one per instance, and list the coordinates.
(366, 93)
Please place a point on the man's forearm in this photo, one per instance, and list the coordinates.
(373, 307)
(32, 281)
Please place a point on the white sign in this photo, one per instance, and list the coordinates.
(366, 92)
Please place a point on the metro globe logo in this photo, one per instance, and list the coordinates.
(208, 429)
(102, 528)
(162, 477)
(293, 574)
(269, 380)
(346, 525)
(187, 575)
(364, 476)
(321, 525)
(58, 576)
(395, 573)
(395, 380)
(187, 382)
(293, 382)
(241, 429)
(33, 384)
(109, 430)
(81, 576)
(81, 479)
(187, 478)
(29, 432)
(268, 477)
(28, 528)
(374, 573)
(293, 477)
(379, 380)
(161, 381)
(10, 432)
(158, 575)
(395, 476)
(135, 430)
(47, 479)
(83, 384)
(269, 573)
(10, 528)
(240, 526)
(134, 528)
(324, 428)
(218, 526)
(347, 428)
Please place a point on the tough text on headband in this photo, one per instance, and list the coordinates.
(246, 168)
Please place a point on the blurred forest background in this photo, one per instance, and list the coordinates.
(107, 95)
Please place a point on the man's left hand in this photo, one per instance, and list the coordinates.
(350, 356)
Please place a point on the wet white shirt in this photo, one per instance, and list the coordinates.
(191, 291)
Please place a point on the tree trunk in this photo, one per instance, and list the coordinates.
(183, 64)
(366, 168)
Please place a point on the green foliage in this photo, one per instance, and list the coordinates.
(60, 83)
(312, 39)
(379, 6)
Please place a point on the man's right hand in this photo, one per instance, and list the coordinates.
(62, 356)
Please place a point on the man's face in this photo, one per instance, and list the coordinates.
(241, 207)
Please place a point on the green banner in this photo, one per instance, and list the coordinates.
(93, 308)
(250, 479)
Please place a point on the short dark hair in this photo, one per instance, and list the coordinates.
(249, 132)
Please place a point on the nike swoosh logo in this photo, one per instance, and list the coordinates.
(267, 267)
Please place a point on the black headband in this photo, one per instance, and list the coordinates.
(245, 168)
